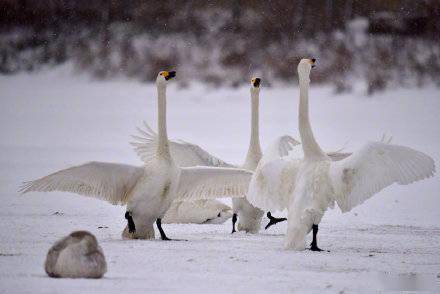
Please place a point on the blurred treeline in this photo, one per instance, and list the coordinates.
(381, 43)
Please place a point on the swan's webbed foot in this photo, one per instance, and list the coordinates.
(315, 247)
(234, 220)
(131, 226)
(273, 220)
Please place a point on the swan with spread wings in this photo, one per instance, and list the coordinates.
(188, 154)
(307, 186)
(148, 191)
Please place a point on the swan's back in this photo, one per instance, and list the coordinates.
(76, 256)
(198, 212)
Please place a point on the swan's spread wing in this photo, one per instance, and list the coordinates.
(108, 181)
(374, 167)
(279, 148)
(285, 146)
(212, 182)
(184, 154)
(272, 184)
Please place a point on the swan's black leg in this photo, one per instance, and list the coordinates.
(273, 220)
(314, 244)
(162, 233)
(234, 220)
(131, 226)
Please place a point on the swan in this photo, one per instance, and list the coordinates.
(188, 154)
(249, 216)
(147, 191)
(308, 186)
(205, 211)
(76, 256)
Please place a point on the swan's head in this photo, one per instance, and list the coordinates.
(305, 66)
(255, 85)
(164, 76)
(87, 240)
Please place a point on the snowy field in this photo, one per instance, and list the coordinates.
(53, 120)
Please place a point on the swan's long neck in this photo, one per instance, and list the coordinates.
(163, 149)
(254, 152)
(310, 146)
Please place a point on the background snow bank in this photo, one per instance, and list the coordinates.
(52, 120)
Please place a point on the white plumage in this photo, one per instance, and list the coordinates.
(271, 185)
(187, 154)
(205, 211)
(308, 186)
(150, 190)
(376, 166)
(107, 181)
(212, 182)
(184, 154)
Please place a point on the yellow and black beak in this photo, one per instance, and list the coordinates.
(312, 62)
(169, 74)
(256, 82)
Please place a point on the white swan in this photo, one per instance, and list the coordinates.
(187, 154)
(76, 256)
(249, 216)
(148, 191)
(205, 211)
(308, 186)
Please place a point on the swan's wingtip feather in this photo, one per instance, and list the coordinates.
(24, 187)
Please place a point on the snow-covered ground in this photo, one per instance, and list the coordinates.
(52, 120)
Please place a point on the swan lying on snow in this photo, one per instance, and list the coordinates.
(187, 154)
(308, 186)
(148, 191)
(207, 211)
(76, 256)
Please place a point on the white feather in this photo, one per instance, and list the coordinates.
(280, 147)
(320, 181)
(209, 182)
(307, 184)
(197, 212)
(273, 181)
(374, 167)
(184, 154)
(148, 191)
(107, 181)
(272, 184)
